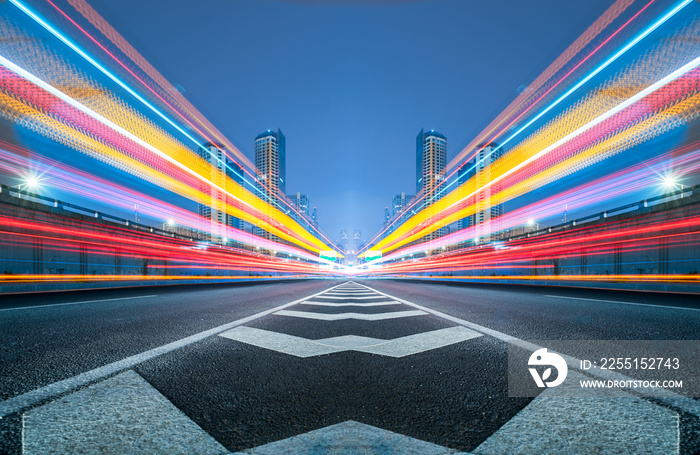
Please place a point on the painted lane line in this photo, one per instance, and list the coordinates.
(27, 400)
(350, 437)
(624, 303)
(667, 397)
(366, 304)
(75, 303)
(122, 414)
(350, 293)
(343, 316)
(279, 342)
(350, 297)
(620, 421)
(397, 347)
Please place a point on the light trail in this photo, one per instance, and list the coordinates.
(123, 85)
(309, 240)
(646, 93)
(391, 241)
(646, 32)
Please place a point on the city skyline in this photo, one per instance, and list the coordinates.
(333, 161)
(471, 205)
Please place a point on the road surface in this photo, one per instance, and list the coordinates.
(324, 366)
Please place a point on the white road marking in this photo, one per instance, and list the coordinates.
(665, 396)
(123, 414)
(349, 294)
(37, 396)
(31, 307)
(366, 304)
(397, 347)
(625, 303)
(348, 297)
(350, 437)
(621, 423)
(342, 316)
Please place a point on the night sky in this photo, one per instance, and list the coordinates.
(350, 84)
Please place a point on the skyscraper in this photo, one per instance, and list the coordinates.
(431, 159)
(270, 160)
(314, 216)
(235, 173)
(466, 182)
(343, 242)
(387, 216)
(357, 242)
(301, 203)
(400, 202)
(213, 208)
(488, 208)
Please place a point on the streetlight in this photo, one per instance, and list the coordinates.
(31, 182)
(671, 181)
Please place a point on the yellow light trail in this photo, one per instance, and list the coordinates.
(642, 77)
(116, 114)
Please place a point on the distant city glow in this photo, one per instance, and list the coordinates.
(536, 194)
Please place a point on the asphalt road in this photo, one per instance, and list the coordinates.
(378, 365)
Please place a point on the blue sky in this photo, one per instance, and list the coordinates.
(350, 83)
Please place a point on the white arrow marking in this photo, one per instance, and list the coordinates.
(398, 347)
(366, 304)
(342, 316)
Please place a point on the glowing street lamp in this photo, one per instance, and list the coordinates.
(670, 182)
(31, 182)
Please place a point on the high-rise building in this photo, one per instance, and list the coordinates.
(270, 160)
(301, 204)
(488, 207)
(235, 173)
(314, 217)
(466, 182)
(400, 202)
(357, 240)
(431, 159)
(213, 208)
(387, 216)
(344, 241)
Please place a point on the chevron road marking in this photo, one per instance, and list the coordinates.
(366, 304)
(364, 294)
(669, 398)
(397, 347)
(53, 390)
(323, 296)
(351, 437)
(342, 316)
